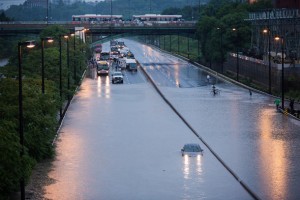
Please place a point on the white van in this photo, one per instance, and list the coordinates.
(131, 64)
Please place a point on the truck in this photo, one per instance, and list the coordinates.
(131, 64)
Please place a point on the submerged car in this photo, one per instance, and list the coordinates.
(117, 77)
(191, 150)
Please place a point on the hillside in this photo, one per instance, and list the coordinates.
(126, 8)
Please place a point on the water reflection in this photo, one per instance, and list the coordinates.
(67, 176)
(273, 165)
(176, 75)
(103, 86)
(192, 174)
(192, 163)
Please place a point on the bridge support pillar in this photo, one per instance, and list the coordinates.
(178, 43)
(188, 47)
(170, 43)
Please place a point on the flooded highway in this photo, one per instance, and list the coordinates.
(122, 141)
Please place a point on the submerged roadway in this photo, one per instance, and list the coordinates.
(122, 141)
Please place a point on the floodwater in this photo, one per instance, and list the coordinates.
(259, 144)
(122, 141)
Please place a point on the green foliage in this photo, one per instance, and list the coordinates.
(219, 19)
(12, 166)
(4, 18)
(6, 45)
(40, 111)
(63, 12)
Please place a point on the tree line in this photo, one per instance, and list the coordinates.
(64, 12)
(41, 111)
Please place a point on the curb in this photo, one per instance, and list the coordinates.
(286, 113)
(66, 109)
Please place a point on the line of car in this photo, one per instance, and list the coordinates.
(119, 58)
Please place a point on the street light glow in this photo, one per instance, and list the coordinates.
(30, 44)
(50, 40)
(277, 38)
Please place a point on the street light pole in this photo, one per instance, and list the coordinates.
(282, 69)
(47, 2)
(43, 71)
(237, 55)
(28, 44)
(74, 48)
(282, 73)
(60, 78)
(221, 49)
(269, 54)
(68, 66)
(50, 40)
(267, 31)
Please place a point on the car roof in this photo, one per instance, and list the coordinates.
(102, 62)
(192, 147)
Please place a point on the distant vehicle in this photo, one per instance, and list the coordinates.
(114, 49)
(113, 43)
(130, 55)
(95, 19)
(102, 68)
(191, 150)
(121, 44)
(157, 18)
(131, 64)
(117, 77)
(98, 50)
(121, 63)
(104, 55)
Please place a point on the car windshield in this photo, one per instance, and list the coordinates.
(117, 74)
(192, 148)
(103, 67)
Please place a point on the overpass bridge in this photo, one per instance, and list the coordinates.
(127, 28)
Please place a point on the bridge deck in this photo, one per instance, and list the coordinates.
(13, 28)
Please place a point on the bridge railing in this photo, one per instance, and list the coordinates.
(104, 24)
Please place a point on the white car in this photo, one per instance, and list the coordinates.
(191, 150)
(117, 77)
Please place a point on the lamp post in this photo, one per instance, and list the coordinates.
(267, 31)
(47, 11)
(221, 49)
(281, 39)
(237, 55)
(74, 48)
(68, 66)
(60, 79)
(111, 16)
(28, 44)
(49, 40)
